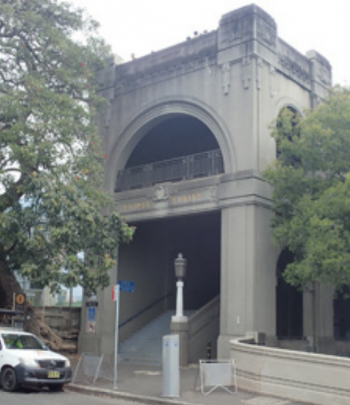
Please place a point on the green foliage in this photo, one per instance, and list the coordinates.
(51, 157)
(311, 192)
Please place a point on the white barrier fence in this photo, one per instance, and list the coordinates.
(216, 374)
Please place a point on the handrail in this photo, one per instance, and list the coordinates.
(204, 316)
(152, 304)
(204, 308)
(203, 328)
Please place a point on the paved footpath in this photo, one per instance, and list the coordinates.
(144, 384)
(45, 397)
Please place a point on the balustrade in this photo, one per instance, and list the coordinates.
(182, 168)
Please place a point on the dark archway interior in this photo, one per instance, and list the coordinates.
(289, 303)
(179, 135)
(149, 262)
(341, 307)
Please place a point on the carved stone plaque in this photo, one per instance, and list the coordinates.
(161, 193)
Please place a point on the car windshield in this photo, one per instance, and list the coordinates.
(18, 341)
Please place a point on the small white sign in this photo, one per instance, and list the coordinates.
(91, 327)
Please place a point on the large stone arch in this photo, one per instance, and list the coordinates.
(134, 131)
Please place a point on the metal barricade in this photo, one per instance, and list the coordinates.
(88, 369)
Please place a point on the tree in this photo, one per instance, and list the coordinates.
(311, 192)
(52, 206)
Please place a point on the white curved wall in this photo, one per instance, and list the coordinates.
(308, 377)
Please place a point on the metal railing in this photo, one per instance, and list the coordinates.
(182, 168)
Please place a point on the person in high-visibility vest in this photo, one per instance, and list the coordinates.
(13, 342)
(19, 344)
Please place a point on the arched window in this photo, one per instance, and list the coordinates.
(287, 127)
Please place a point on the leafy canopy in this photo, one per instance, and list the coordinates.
(311, 191)
(51, 157)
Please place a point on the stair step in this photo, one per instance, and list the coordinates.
(145, 346)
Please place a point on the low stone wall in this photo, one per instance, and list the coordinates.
(65, 322)
(308, 377)
(204, 328)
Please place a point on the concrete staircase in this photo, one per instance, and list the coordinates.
(145, 346)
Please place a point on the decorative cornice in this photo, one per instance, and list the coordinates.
(248, 25)
(191, 64)
(196, 53)
(293, 63)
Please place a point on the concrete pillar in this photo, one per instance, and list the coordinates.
(101, 341)
(321, 77)
(308, 318)
(248, 263)
(181, 329)
(324, 319)
(318, 318)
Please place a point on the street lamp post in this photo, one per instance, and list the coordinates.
(180, 264)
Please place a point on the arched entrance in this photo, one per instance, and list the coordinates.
(289, 302)
(179, 153)
(149, 261)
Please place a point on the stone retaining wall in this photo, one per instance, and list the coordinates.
(65, 322)
(299, 376)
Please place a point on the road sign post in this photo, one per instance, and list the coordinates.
(125, 286)
(19, 301)
(115, 297)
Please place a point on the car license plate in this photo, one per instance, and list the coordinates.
(53, 374)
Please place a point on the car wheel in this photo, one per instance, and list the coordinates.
(9, 379)
(56, 387)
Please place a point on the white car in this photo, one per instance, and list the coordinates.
(25, 360)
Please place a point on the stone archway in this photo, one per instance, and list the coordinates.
(171, 227)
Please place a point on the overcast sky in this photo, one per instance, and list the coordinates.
(142, 26)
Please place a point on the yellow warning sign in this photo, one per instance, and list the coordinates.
(20, 299)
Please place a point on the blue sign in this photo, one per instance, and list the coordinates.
(92, 314)
(127, 286)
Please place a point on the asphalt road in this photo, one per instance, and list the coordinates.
(43, 397)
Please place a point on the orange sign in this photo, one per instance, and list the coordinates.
(20, 299)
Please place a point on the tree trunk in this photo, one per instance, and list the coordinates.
(33, 323)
